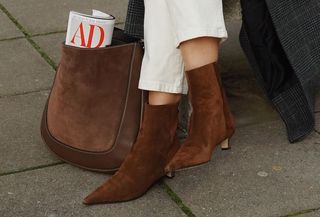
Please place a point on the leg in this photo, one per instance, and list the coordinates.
(160, 98)
(162, 74)
(199, 51)
(162, 69)
(200, 29)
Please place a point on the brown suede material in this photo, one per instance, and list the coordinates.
(84, 93)
(94, 110)
(156, 142)
(230, 121)
(207, 126)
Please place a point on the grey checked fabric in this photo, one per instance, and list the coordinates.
(135, 18)
(297, 23)
(298, 26)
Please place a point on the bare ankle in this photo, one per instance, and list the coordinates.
(161, 98)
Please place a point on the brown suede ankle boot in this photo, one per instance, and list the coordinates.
(208, 125)
(155, 145)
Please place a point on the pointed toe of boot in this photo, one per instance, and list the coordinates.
(105, 193)
(98, 196)
(92, 198)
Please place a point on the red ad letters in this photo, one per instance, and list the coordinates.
(80, 33)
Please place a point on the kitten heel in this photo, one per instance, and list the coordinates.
(225, 145)
(170, 174)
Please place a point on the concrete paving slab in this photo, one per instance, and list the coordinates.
(231, 56)
(51, 43)
(38, 16)
(249, 108)
(248, 101)
(22, 69)
(231, 9)
(59, 191)
(8, 29)
(120, 25)
(21, 146)
(263, 175)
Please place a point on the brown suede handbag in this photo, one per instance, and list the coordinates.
(94, 110)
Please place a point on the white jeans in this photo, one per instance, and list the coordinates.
(166, 24)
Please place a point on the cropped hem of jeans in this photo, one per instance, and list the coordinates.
(191, 33)
(163, 87)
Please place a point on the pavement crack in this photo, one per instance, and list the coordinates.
(24, 93)
(31, 168)
(177, 199)
(301, 212)
(43, 54)
(11, 39)
(48, 33)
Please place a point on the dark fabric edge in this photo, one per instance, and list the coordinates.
(289, 113)
(292, 105)
(274, 10)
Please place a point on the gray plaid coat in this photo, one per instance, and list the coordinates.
(297, 24)
(134, 19)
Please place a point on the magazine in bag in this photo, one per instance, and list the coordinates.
(90, 31)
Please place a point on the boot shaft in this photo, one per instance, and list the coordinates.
(204, 89)
(159, 123)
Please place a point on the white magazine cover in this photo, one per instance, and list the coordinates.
(90, 31)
